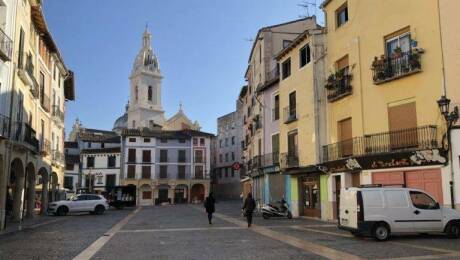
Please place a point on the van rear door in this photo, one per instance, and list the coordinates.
(348, 208)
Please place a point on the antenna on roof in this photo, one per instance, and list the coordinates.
(306, 5)
(249, 39)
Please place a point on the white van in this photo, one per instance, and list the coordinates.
(380, 211)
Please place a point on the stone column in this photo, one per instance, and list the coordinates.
(44, 204)
(17, 198)
(3, 185)
(30, 196)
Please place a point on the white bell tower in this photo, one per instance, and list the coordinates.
(145, 108)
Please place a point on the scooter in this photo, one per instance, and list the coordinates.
(270, 210)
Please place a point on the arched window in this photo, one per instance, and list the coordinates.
(150, 93)
(136, 94)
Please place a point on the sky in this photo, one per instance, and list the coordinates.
(203, 48)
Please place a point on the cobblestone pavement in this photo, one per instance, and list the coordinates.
(182, 232)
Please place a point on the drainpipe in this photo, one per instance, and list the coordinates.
(444, 91)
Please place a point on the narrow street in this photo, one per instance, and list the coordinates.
(182, 232)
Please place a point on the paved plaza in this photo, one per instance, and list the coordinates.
(182, 232)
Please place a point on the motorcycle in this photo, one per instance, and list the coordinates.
(271, 210)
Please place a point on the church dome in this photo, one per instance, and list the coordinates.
(121, 123)
(146, 59)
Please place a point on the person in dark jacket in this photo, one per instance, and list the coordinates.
(248, 208)
(210, 207)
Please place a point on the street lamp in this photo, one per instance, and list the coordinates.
(451, 118)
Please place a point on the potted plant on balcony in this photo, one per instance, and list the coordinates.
(414, 60)
(378, 66)
(397, 53)
(330, 82)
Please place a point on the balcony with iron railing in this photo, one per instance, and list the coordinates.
(6, 46)
(270, 159)
(58, 157)
(45, 147)
(26, 70)
(289, 160)
(290, 114)
(24, 134)
(338, 85)
(398, 65)
(4, 126)
(58, 114)
(45, 102)
(256, 162)
(412, 139)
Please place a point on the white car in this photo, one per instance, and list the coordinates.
(92, 203)
(379, 212)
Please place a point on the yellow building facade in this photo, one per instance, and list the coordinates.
(384, 75)
(302, 124)
(40, 86)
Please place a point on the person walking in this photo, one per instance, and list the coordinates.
(248, 208)
(209, 206)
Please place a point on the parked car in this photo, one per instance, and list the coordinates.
(379, 212)
(92, 203)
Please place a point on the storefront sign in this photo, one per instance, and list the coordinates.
(390, 160)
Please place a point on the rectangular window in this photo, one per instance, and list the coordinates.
(342, 15)
(292, 143)
(146, 140)
(69, 166)
(146, 172)
(195, 141)
(220, 143)
(276, 109)
(199, 156)
(233, 156)
(275, 149)
(111, 161)
(146, 195)
(163, 171)
(132, 155)
(146, 156)
(181, 156)
(181, 140)
(132, 140)
(226, 142)
(68, 182)
(110, 180)
(199, 172)
(131, 172)
(163, 140)
(90, 162)
(202, 141)
(286, 68)
(163, 155)
(233, 140)
(226, 157)
(286, 43)
(292, 105)
(304, 55)
(181, 171)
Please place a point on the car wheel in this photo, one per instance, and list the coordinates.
(453, 230)
(99, 210)
(62, 211)
(289, 215)
(381, 232)
(265, 216)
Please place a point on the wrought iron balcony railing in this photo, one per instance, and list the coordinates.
(45, 147)
(24, 133)
(4, 126)
(338, 87)
(256, 162)
(290, 114)
(58, 113)
(398, 65)
(58, 157)
(6, 46)
(270, 159)
(424, 137)
(26, 70)
(289, 160)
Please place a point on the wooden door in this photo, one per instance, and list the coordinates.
(311, 197)
(345, 137)
(402, 120)
(338, 186)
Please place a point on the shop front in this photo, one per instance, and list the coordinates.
(310, 196)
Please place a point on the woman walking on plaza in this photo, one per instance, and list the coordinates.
(210, 207)
(248, 207)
